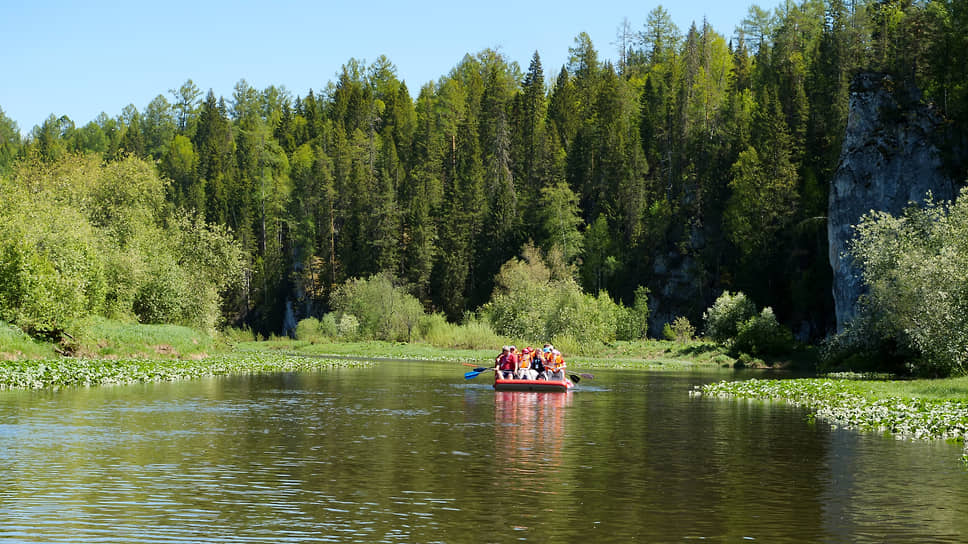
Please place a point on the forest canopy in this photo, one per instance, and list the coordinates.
(697, 163)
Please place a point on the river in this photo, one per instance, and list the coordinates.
(411, 452)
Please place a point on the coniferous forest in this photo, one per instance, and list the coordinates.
(697, 162)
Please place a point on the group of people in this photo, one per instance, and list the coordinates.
(530, 364)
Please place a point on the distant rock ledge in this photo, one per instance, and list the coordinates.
(888, 161)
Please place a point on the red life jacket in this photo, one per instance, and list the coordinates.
(504, 362)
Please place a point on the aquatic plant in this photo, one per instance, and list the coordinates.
(843, 402)
(66, 372)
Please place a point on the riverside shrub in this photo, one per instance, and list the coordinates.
(385, 311)
(762, 335)
(915, 267)
(528, 304)
(80, 237)
(726, 314)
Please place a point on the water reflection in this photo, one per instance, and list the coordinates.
(530, 428)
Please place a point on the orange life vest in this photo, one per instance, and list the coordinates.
(559, 362)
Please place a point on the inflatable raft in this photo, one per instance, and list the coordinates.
(533, 385)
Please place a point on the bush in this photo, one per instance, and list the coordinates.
(636, 323)
(435, 330)
(914, 269)
(863, 346)
(41, 290)
(307, 330)
(317, 331)
(680, 331)
(348, 327)
(570, 346)
(79, 237)
(236, 335)
(527, 304)
(724, 317)
(763, 335)
(162, 296)
(384, 311)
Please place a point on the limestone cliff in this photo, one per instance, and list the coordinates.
(888, 160)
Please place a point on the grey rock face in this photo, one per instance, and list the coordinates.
(888, 161)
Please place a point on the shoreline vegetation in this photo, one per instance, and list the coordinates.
(116, 353)
(912, 409)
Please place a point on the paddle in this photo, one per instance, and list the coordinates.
(475, 373)
(577, 377)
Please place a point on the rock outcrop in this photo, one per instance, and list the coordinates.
(888, 161)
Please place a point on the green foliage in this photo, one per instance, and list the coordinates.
(560, 218)
(236, 335)
(762, 335)
(732, 321)
(680, 331)
(307, 330)
(49, 267)
(915, 267)
(161, 298)
(319, 330)
(635, 324)
(528, 304)
(10, 142)
(472, 334)
(348, 327)
(724, 317)
(81, 237)
(384, 310)
(691, 150)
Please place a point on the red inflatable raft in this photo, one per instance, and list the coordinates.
(533, 385)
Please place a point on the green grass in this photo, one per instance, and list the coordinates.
(954, 389)
(15, 344)
(643, 354)
(98, 337)
(373, 349)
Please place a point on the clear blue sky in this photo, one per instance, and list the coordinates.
(79, 58)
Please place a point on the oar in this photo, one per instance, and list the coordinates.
(577, 377)
(476, 368)
(475, 373)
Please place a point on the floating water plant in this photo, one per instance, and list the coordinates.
(67, 372)
(844, 403)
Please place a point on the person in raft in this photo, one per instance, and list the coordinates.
(557, 366)
(537, 365)
(503, 368)
(525, 372)
(506, 364)
(547, 360)
(515, 359)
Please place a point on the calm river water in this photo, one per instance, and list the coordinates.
(410, 452)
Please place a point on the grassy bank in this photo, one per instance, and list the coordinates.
(99, 338)
(917, 409)
(645, 354)
(16, 345)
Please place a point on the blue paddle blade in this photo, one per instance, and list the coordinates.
(471, 374)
